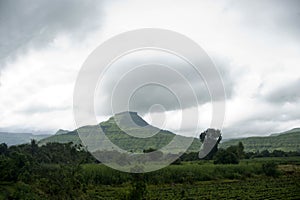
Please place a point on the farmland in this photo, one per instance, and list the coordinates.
(64, 171)
(203, 180)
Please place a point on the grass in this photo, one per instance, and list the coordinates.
(284, 187)
(187, 172)
(190, 180)
(202, 180)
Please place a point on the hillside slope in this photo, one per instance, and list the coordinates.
(285, 141)
(131, 123)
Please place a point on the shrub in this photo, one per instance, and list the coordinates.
(226, 157)
(270, 168)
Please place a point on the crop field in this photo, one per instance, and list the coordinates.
(56, 172)
(202, 180)
(286, 187)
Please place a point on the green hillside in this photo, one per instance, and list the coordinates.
(131, 123)
(286, 141)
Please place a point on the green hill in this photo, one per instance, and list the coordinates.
(129, 122)
(132, 123)
(285, 141)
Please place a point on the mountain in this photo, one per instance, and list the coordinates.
(19, 138)
(117, 127)
(128, 131)
(61, 131)
(285, 141)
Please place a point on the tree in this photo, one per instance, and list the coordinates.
(265, 153)
(210, 140)
(33, 147)
(226, 157)
(270, 168)
(231, 155)
(238, 150)
(3, 149)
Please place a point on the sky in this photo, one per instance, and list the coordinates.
(255, 45)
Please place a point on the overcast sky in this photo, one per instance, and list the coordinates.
(254, 44)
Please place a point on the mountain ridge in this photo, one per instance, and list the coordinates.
(11, 138)
(285, 141)
(117, 127)
(121, 128)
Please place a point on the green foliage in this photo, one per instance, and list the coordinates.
(270, 168)
(53, 170)
(61, 181)
(191, 156)
(139, 188)
(184, 173)
(226, 157)
(40, 172)
(286, 141)
(252, 188)
(3, 149)
(122, 139)
(242, 181)
(231, 155)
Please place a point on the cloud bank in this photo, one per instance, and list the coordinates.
(254, 45)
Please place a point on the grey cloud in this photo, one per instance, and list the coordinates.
(276, 16)
(22, 129)
(277, 118)
(250, 128)
(143, 98)
(286, 93)
(34, 23)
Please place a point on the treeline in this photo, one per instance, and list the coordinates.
(54, 153)
(233, 154)
(275, 153)
(51, 171)
(22, 162)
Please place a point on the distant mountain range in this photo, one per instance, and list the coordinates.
(131, 122)
(285, 141)
(19, 138)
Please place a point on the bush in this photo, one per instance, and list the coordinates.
(226, 157)
(270, 168)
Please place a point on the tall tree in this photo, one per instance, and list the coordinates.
(210, 140)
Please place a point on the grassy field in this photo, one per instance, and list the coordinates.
(284, 187)
(202, 180)
(189, 180)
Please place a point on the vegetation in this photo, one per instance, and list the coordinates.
(270, 168)
(64, 169)
(286, 141)
(231, 155)
(116, 135)
(67, 171)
